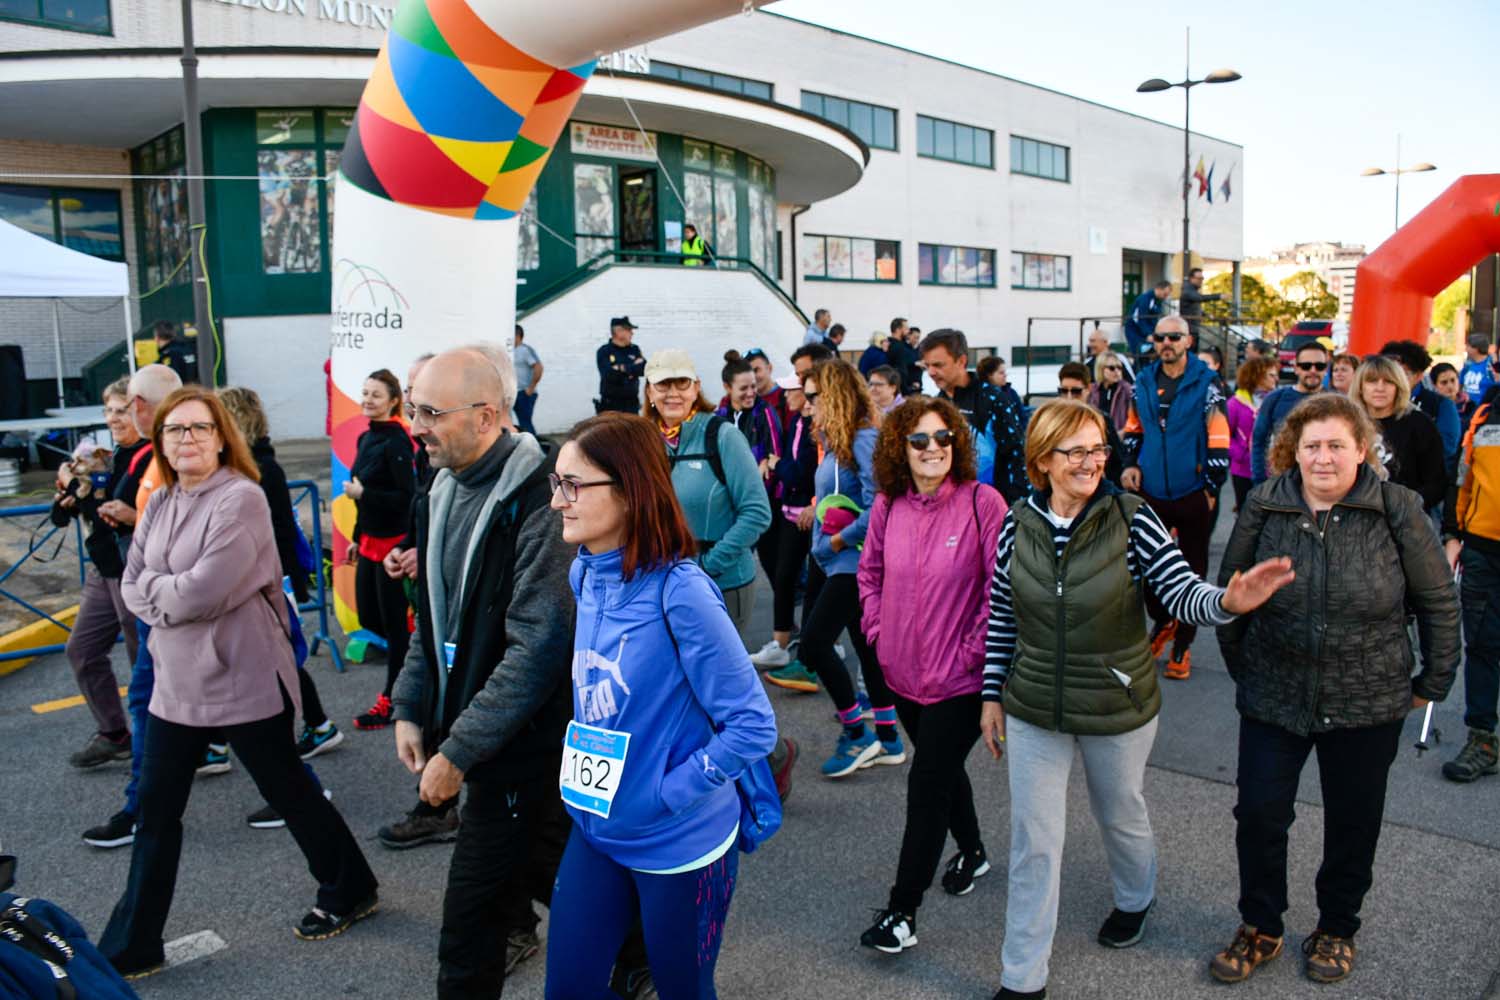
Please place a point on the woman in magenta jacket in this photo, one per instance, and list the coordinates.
(928, 558)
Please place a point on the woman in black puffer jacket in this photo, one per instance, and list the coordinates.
(381, 482)
(1326, 666)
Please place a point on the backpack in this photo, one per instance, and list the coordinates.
(760, 803)
(45, 954)
(710, 451)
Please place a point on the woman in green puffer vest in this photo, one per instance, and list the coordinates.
(1068, 666)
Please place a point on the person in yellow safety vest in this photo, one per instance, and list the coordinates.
(695, 249)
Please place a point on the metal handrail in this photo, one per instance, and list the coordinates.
(309, 491)
(648, 258)
(1221, 325)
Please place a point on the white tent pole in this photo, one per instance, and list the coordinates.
(57, 350)
(129, 334)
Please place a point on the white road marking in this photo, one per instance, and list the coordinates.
(192, 947)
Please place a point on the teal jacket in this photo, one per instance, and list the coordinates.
(730, 515)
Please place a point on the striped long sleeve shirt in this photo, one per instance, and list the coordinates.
(1152, 556)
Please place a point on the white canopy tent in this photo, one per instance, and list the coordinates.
(35, 268)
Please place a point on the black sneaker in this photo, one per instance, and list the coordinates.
(1122, 929)
(893, 932)
(319, 925)
(962, 870)
(132, 968)
(633, 984)
(520, 946)
(313, 742)
(418, 829)
(118, 832)
(1478, 758)
(1006, 993)
(100, 749)
(267, 818)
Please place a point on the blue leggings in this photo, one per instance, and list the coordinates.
(596, 901)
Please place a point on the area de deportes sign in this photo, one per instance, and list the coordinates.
(613, 141)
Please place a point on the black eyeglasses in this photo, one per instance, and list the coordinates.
(920, 440)
(1075, 390)
(1313, 366)
(1112, 368)
(811, 397)
(570, 487)
(1075, 456)
(1173, 337)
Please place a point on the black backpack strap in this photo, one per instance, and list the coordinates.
(31, 934)
(710, 451)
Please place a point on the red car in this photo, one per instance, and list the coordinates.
(1306, 332)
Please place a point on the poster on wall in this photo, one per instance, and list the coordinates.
(863, 266)
(968, 266)
(593, 209)
(290, 233)
(166, 226)
(1017, 270)
(986, 267)
(886, 266)
(947, 266)
(838, 257)
(528, 243)
(1059, 272)
(757, 232)
(698, 207)
(330, 183)
(723, 160)
(768, 224)
(814, 263)
(695, 154)
(726, 222)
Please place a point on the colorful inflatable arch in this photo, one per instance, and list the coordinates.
(459, 116)
(1395, 285)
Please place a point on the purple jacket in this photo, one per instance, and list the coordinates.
(1241, 429)
(203, 574)
(940, 551)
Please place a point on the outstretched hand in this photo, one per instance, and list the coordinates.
(1253, 587)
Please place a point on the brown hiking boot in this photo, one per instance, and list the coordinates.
(1245, 953)
(1329, 958)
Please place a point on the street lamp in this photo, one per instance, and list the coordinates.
(1156, 85)
(1396, 172)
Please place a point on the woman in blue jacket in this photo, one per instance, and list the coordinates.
(843, 417)
(667, 713)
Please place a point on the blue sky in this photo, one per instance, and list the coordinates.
(1327, 86)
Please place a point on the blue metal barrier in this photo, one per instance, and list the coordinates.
(301, 490)
(36, 545)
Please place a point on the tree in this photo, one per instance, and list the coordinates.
(1447, 303)
(1309, 297)
(1258, 303)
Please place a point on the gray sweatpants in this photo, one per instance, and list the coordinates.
(1040, 760)
(102, 616)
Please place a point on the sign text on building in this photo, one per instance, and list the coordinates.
(613, 141)
(360, 13)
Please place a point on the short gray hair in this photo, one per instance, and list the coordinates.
(498, 356)
(1479, 342)
(154, 383)
(1176, 319)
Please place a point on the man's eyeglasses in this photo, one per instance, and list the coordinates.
(570, 487)
(1075, 456)
(1071, 390)
(423, 415)
(1313, 366)
(1173, 337)
(920, 440)
(181, 432)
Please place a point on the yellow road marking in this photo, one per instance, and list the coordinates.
(58, 704)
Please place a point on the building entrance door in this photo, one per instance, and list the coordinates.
(1132, 281)
(638, 209)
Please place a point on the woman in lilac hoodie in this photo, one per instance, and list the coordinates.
(930, 551)
(667, 713)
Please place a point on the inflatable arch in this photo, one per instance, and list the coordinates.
(1395, 285)
(455, 124)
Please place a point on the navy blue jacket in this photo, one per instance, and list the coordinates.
(1192, 452)
(1141, 322)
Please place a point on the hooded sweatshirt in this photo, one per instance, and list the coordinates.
(695, 712)
(856, 484)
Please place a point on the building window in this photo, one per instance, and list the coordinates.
(875, 125)
(1041, 271)
(85, 219)
(161, 209)
(945, 140)
(703, 78)
(850, 258)
(1038, 159)
(77, 15)
(938, 264)
(297, 150)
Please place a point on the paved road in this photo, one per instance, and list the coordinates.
(802, 900)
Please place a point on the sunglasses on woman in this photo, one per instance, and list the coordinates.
(1112, 368)
(920, 440)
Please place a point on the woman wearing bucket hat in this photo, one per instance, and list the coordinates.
(844, 419)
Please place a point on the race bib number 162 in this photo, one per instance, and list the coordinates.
(592, 765)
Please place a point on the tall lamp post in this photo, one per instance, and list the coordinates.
(207, 348)
(1156, 84)
(1396, 172)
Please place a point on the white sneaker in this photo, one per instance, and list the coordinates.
(772, 654)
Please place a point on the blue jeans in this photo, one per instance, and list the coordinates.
(138, 699)
(1480, 593)
(596, 902)
(525, 403)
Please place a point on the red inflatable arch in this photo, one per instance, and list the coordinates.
(1395, 285)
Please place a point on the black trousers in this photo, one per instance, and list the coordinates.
(382, 609)
(835, 609)
(312, 706)
(783, 550)
(1353, 765)
(1242, 487)
(269, 753)
(939, 798)
(511, 838)
(1191, 519)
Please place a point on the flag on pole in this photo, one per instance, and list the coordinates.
(1208, 185)
(1201, 177)
(1224, 188)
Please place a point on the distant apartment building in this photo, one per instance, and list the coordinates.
(1335, 263)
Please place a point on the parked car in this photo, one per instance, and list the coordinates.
(1306, 332)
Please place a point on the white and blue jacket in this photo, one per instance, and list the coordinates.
(696, 712)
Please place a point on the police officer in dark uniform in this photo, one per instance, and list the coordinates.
(621, 365)
(176, 354)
